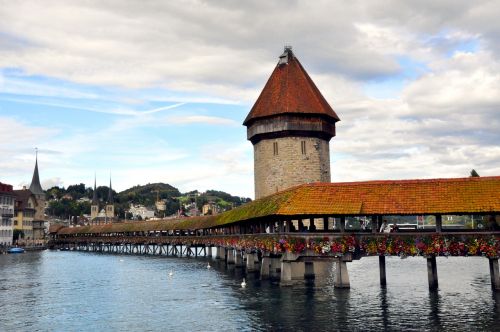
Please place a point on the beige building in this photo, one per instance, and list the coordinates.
(210, 208)
(24, 213)
(290, 127)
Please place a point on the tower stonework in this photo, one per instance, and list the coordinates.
(290, 127)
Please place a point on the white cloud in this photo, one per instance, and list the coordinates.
(439, 59)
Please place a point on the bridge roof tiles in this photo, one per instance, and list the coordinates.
(392, 197)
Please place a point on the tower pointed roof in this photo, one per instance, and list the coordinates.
(110, 193)
(95, 200)
(290, 90)
(35, 186)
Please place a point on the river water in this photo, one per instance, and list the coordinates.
(76, 291)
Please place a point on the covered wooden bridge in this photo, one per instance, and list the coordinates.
(299, 232)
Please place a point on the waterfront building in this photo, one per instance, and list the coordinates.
(24, 213)
(7, 199)
(290, 126)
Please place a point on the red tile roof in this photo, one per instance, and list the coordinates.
(473, 195)
(290, 90)
(392, 197)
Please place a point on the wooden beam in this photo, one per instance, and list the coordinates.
(342, 224)
(439, 223)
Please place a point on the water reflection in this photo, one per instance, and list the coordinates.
(384, 306)
(88, 292)
(434, 312)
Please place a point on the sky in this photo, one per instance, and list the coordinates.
(156, 91)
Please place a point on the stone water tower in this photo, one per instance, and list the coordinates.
(290, 126)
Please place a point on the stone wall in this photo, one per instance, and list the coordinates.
(290, 166)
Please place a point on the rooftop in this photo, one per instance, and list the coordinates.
(290, 90)
(475, 195)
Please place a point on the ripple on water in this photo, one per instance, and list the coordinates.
(72, 291)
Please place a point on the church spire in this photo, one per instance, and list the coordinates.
(110, 194)
(95, 200)
(35, 186)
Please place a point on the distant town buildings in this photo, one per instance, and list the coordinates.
(7, 199)
(141, 212)
(210, 208)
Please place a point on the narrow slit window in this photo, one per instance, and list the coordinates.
(303, 147)
(275, 148)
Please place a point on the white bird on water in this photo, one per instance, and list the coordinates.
(171, 273)
(243, 283)
(208, 266)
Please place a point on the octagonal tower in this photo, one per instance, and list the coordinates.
(290, 126)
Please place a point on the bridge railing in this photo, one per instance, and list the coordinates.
(362, 244)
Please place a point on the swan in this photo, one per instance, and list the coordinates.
(243, 283)
(171, 273)
(208, 266)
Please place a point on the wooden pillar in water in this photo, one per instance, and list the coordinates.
(381, 266)
(341, 275)
(494, 274)
(251, 262)
(231, 253)
(432, 273)
(238, 258)
(265, 267)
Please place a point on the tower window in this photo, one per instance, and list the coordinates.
(303, 147)
(275, 148)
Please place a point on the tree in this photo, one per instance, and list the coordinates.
(474, 174)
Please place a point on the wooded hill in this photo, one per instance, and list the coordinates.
(63, 202)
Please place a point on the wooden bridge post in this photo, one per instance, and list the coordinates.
(374, 224)
(495, 276)
(439, 223)
(231, 253)
(432, 273)
(265, 267)
(322, 270)
(381, 265)
(238, 258)
(341, 275)
(251, 262)
(342, 224)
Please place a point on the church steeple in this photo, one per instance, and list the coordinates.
(110, 193)
(95, 200)
(35, 186)
(110, 207)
